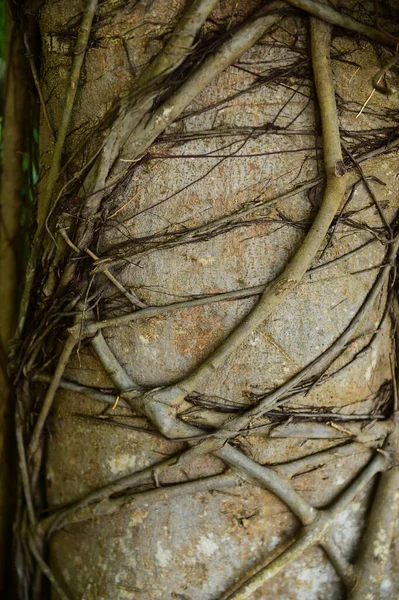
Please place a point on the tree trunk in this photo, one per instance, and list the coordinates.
(13, 112)
(206, 369)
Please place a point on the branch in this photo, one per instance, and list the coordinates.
(46, 569)
(112, 366)
(342, 566)
(269, 479)
(329, 15)
(23, 466)
(376, 543)
(312, 534)
(64, 515)
(30, 57)
(149, 84)
(244, 38)
(109, 506)
(181, 40)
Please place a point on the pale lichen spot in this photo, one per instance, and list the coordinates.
(166, 111)
(253, 340)
(374, 356)
(57, 44)
(386, 585)
(380, 545)
(120, 463)
(138, 516)
(339, 480)
(348, 525)
(312, 579)
(207, 546)
(206, 259)
(163, 555)
(274, 542)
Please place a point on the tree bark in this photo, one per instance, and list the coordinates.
(14, 110)
(206, 373)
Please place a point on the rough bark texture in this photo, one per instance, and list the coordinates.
(253, 132)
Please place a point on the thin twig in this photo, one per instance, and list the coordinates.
(383, 88)
(370, 191)
(143, 132)
(90, 392)
(79, 55)
(296, 467)
(31, 61)
(69, 345)
(132, 298)
(153, 311)
(253, 206)
(23, 466)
